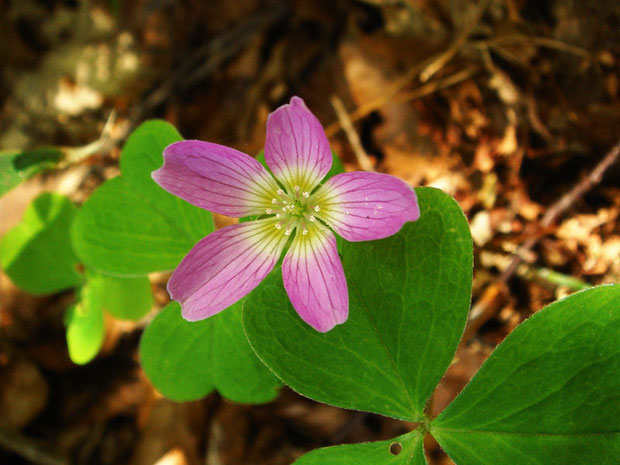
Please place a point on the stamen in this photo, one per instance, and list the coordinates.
(294, 210)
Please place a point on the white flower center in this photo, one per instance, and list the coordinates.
(294, 210)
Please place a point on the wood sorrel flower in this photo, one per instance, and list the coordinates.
(227, 264)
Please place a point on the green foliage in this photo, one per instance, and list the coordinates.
(37, 159)
(186, 361)
(9, 176)
(36, 254)
(85, 324)
(403, 450)
(17, 166)
(125, 298)
(406, 318)
(548, 394)
(131, 226)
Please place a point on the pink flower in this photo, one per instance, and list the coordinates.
(227, 264)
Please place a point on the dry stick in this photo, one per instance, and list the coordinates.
(104, 143)
(563, 204)
(492, 298)
(362, 157)
(345, 121)
(456, 46)
(418, 92)
(546, 42)
(434, 86)
(424, 70)
(29, 448)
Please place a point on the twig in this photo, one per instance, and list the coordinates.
(362, 157)
(546, 42)
(214, 432)
(434, 86)
(487, 305)
(437, 64)
(104, 143)
(563, 204)
(422, 91)
(493, 296)
(29, 448)
(425, 70)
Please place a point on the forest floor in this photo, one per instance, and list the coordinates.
(510, 106)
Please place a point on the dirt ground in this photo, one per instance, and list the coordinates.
(510, 106)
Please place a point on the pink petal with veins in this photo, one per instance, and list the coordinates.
(314, 279)
(296, 147)
(224, 267)
(362, 206)
(217, 178)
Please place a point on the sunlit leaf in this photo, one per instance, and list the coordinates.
(36, 254)
(548, 395)
(409, 298)
(85, 324)
(125, 298)
(130, 225)
(403, 450)
(186, 361)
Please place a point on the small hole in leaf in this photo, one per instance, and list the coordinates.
(396, 448)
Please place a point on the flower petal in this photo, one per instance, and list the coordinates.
(314, 279)
(296, 147)
(225, 266)
(216, 178)
(363, 206)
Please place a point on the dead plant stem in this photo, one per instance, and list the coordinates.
(362, 157)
